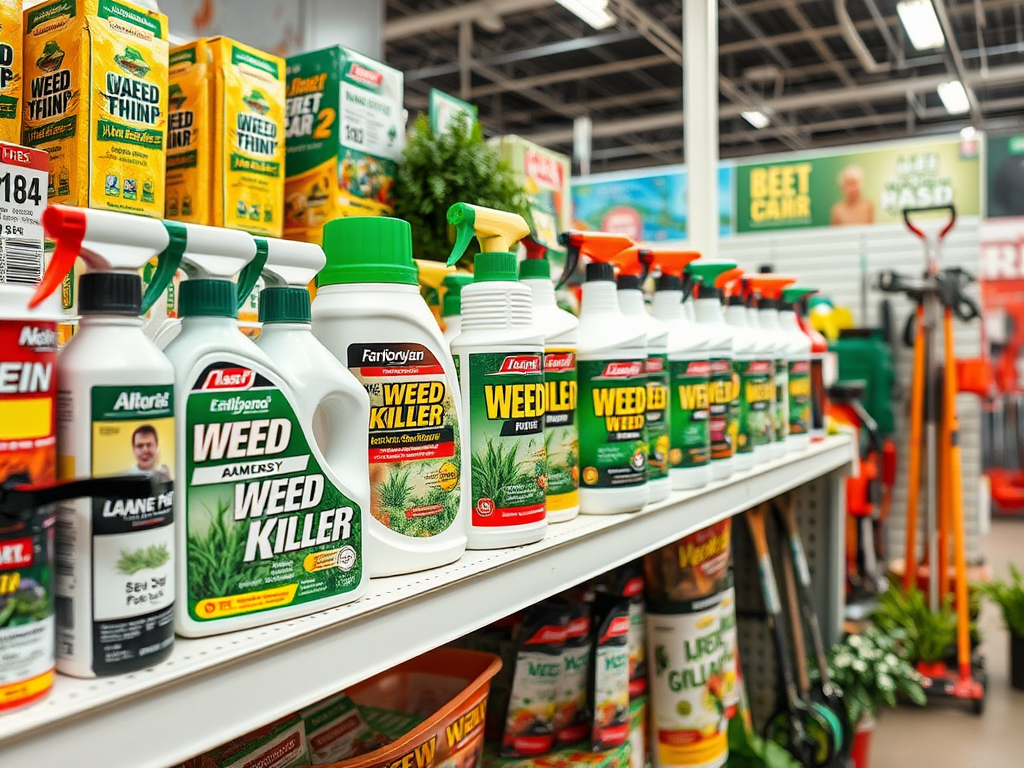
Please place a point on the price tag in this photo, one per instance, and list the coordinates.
(24, 173)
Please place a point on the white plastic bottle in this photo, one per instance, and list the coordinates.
(265, 531)
(612, 403)
(451, 304)
(799, 378)
(722, 384)
(763, 430)
(631, 302)
(689, 371)
(115, 558)
(769, 286)
(368, 312)
(561, 433)
(755, 380)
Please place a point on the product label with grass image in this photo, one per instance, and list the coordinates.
(799, 397)
(691, 438)
(613, 422)
(720, 395)
(757, 380)
(561, 438)
(267, 527)
(506, 411)
(414, 437)
(658, 424)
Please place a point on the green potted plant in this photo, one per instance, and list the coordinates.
(1009, 596)
(927, 636)
(872, 670)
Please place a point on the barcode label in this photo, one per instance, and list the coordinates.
(64, 563)
(21, 261)
(64, 609)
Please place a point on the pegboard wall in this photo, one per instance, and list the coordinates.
(842, 263)
(820, 515)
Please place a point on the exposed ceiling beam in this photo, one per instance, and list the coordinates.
(478, 10)
(596, 70)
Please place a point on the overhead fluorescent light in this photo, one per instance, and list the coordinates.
(594, 12)
(968, 132)
(922, 24)
(954, 97)
(756, 118)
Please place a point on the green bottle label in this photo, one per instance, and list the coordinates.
(658, 424)
(720, 396)
(757, 380)
(799, 397)
(691, 435)
(266, 528)
(561, 438)
(780, 413)
(613, 422)
(506, 412)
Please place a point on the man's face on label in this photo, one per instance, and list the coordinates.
(146, 450)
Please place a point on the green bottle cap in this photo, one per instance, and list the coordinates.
(708, 271)
(285, 304)
(795, 293)
(368, 249)
(491, 267)
(453, 294)
(535, 269)
(204, 297)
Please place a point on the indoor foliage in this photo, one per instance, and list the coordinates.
(1009, 596)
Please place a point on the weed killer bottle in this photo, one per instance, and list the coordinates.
(763, 379)
(755, 390)
(819, 348)
(723, 418)
(451, 304)
(769, 286)
(631, 302)
(689, 371)
(799, 396)
(369, 313)
(115, 557)
(328, 397)
(561, 435)
(501, 373)
(612, 405)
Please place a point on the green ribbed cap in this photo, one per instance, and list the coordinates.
(535, 269)
(287, 304)
(202, 297)
(368, 249)
(795, 293)
(453, 294)
(491, 267)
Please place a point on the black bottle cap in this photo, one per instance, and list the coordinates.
(600, 271)
(708, 291)
(110, 293)
(628, 282)
(735, 301)
(764, 303)
(668, 283)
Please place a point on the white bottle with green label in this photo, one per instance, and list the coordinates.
(369, 313)
(500, 355)
(799, 369)
(451, 305)
(689, 371)
(115, 558)
(723, 417)
(769, 286)
(762, 377)
(659, 430)
(561, 434)
(755, 385)
(265, 530)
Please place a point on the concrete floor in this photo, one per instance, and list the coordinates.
(949, 735)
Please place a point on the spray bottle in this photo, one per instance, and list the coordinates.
(689, 371)
(369, 313)
(263, 536)
(631, 302)
(328, 397)
(451, 304)
(756, 385)
(765, 347)
(115, 557)
(769, 286)
(722, 383)
(561, 434)
(799, 397)
(500, 359)
(431, 276)
(819, 349)
(612, 405)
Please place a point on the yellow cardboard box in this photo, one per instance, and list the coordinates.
(10, 71)
(190, 131)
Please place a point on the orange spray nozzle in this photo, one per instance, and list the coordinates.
(597, 246)
(731, 282)
(770, 285)
(671, 261)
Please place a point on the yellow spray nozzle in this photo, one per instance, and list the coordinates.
(496, 231)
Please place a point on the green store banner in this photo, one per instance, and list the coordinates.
(857, 188)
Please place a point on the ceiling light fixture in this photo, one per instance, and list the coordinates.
(756, 118)
(594, 12)
(968, 132)
(954, 97)
(922, 24)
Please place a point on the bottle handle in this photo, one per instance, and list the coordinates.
(335, 411)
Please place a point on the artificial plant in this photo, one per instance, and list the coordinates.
(442, 168)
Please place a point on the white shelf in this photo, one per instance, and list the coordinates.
(214, 689)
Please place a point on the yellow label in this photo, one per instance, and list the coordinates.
(25, 419)
(248, 174)
(10, 71)
(250, 602)
(96, 100)
(16, 694)
(189, 135)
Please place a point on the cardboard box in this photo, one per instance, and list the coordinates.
(11, 71)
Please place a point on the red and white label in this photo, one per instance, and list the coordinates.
(16, 553)
(230, 378)
(759, 366)
(544, 169)
(559, 362)
(579, 627)
(655, 364)
(519, 364)
(549, 635)
(634, 587)
(486, 514)
(625, 370)
(366, 76)
(699, 368)
(24, 157)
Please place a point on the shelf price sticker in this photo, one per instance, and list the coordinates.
(23, 183)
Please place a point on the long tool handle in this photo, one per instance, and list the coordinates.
(803, 679)
(914, 462)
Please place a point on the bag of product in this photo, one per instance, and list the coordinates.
(628, 581)
(609, 673)
(572, 711)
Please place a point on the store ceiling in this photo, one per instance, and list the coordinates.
(532, 67)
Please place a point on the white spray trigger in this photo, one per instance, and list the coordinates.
(114, 242)
(213, 252)
(292, 263)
